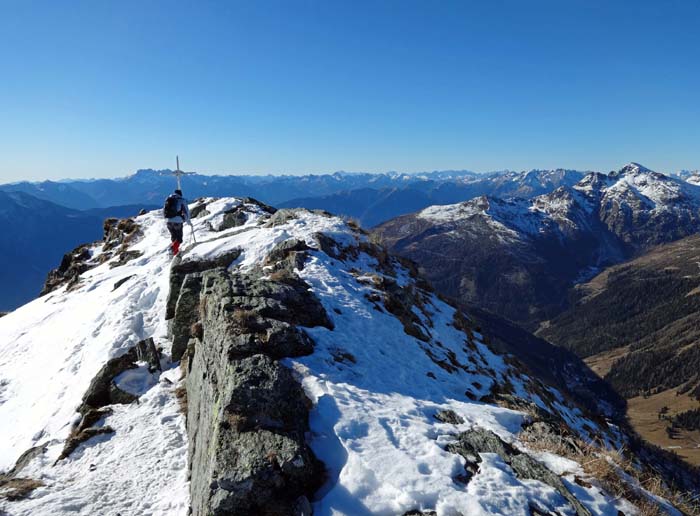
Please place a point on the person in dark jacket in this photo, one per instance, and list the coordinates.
(176, 214)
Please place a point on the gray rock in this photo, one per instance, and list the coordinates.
(472, 442)
(68, 272)
(77, 439)
(328, 245)
(119, 283)
(180, 269)
(124, 257)
(282, 217)
(469, 444)
(200, 210)
(291, 301)
(264, 207)
(146, 352)
(118, 235)
(24, 460)
(525, 466)
(85, 430)
(234, 218)
(284, 249)
(246, 419)
(102, 391)
(449, 416)
(186, 313)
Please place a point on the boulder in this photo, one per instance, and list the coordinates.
(449, 416)
(146, 352)
(102, 391)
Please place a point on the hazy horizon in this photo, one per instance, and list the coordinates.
(349, 172)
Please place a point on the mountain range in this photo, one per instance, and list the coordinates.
(287, 364)
(520, 257)
(372, 206)
(77, 207)
(151, 186)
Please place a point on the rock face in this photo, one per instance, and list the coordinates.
(246, 414)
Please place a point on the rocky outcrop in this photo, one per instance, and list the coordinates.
(119, 234)
(246, 413)
(103, 391)
(86, 429)
(473, 442)
(13, 486)
(68, 272)
(236, 216)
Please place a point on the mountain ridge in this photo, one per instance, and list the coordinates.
(538, 248)
(400, 391)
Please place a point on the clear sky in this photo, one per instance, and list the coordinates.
(101, 88)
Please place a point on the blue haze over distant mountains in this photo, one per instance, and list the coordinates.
(45, 220)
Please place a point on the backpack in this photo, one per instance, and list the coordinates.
(170, 208)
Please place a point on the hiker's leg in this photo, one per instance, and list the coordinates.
(173, 231)
(178, 232)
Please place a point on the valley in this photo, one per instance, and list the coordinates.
(608, 269)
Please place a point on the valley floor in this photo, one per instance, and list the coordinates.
(643, 412)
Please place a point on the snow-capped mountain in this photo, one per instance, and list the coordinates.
(642, 207)
(153, 185)
(691, 176)
(519, 257)
(694, 179)
(372, 198)
(372, 206)
(284, 364)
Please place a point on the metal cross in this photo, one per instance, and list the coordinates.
(179, 173)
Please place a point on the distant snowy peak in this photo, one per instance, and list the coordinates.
(511, 220)
(694, 179)
(641, 188)
(635, 203)
(633, 168)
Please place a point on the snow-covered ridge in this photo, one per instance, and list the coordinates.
(393, 385)
(634, 189)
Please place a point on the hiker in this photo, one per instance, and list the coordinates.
(177, 213)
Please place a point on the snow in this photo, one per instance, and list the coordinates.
(373, 420)
(140, 469)
(375, 389)
(694, 179)
(51, 348)
(136, 381)
(637, 184)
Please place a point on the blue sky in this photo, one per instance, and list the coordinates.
(101, 88)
